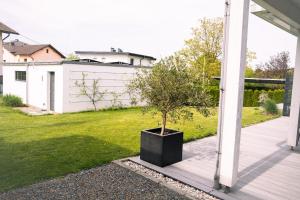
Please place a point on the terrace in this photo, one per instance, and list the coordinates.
(267, 168)
(261, 161)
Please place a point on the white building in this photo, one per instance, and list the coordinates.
(117, 56)
(51, 85)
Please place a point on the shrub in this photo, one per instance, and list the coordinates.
(255, 98)
(248, 94)
(263, 97)
(270, 107)
(12, 100)
(278, 96)
(214, 95)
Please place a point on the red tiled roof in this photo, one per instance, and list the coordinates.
(21, 48)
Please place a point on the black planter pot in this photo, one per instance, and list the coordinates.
(161, 150)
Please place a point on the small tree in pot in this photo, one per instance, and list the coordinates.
(170, 89)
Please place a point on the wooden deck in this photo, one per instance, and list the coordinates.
(267, 168)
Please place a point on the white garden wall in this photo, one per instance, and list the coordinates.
(113, 80)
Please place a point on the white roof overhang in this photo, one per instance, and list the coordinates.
(284, 14)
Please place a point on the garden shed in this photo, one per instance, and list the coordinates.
(51, 85)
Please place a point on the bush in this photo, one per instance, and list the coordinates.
(270, 107)
(248, 101)
(12, 100)
(255, 98)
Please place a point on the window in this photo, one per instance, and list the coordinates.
(131, 61)
(20, 76)
(47, 50)
(25, 59)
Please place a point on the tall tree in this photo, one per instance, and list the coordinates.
(276, 67)
(251, 56)
(203, 50)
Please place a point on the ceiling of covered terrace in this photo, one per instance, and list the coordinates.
(284, 14)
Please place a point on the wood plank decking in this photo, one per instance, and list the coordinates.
(268, 169)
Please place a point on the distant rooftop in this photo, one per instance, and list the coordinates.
(17, 47)
(115, 52)
(5, 29)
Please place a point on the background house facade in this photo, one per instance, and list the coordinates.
(17, 51)
(117, 56)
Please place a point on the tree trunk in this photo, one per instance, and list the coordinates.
(95, 107)
(164, 122)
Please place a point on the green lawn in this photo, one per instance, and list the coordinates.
(37, 148)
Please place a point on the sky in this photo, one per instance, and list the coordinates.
(152, 27)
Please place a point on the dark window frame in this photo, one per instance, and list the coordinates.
(20, 75)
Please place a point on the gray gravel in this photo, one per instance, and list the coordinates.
(106, 182)
(171, 183)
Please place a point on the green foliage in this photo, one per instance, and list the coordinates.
(214, 95)
(277, 67)
(72, 57)
(248, 94)
(260, 86)
(251, 97)
(278, 96)
(12, 100)
(270, 107)
(203, 50)
(255, 98)
(249, 72)
(263, 97)
(169, 88)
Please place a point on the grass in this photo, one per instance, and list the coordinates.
(41, 147)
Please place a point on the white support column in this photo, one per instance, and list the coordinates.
(295, 104)
(234, 67)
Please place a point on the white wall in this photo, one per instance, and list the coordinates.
(112, 79)
(107, 58)
(9, 57)
(10, 85)
(37, 91)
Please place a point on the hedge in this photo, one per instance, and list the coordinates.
(251, 97)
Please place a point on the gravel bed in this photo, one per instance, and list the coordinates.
(190, 191)
(105, 182)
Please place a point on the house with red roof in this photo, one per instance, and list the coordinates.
(18, 51)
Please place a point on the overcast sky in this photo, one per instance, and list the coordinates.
(152, 27)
